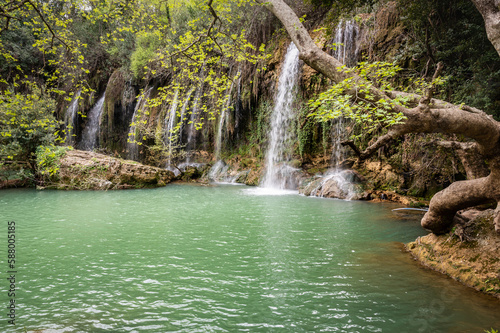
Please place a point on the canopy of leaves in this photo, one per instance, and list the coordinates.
(353, 100)
(26, 122)
(453, 32)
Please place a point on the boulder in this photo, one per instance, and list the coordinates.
(337, 184)
(84, 170)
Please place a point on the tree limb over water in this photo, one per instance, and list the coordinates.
(428, 116)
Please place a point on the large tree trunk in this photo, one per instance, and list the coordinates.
(490, 9)
(430, 116)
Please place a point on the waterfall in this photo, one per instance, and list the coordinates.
(132, 144)
(183, 112)
(70, 118)
(170, 122)
(191, 135)
(278, 174)
(337, 182)
(91, 130)
(345, 49)
(222, 120)
(338, 135)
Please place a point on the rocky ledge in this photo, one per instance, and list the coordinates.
(83, 170)
(470, 253)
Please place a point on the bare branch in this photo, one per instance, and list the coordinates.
(351, 145)
(426, 99)
(455, 144)
(393, 133)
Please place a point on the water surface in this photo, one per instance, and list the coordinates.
(224, 259)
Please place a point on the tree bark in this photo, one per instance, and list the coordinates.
(470, 157)
(490, 10)
(428, 116)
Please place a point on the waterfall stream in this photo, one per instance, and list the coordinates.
(222, 120)
(338, 182)
(345, 46)
(278, 173)
(191, 131)
(70, 118)
(132, 142)
(170, 122)
(91, 131)
(338, 135)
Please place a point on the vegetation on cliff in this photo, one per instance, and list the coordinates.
(179, 48)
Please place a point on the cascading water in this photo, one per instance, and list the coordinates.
(91, 130)
(191, 131)
(132, 145)
(220, 171)
(222, 120)
(338, 135)
(170, 122)
(184, 109)
(337, 182)
(278, 174)
(345, 50)
(70, 118)
(345, 46)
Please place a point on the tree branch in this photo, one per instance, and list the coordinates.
(351, 145)
(201, 37)
(426, 99)
(54, 35)
(446, 203)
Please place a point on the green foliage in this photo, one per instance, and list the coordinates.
(146, 45)
(305, 132)
(353, 100)
(48, 158)
(453, 32)
(342, 5)
(26, 122)
(491, 331)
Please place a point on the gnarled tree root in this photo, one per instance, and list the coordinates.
(459, 195)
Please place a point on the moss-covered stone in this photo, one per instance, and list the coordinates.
(469, 254)
(83, 170)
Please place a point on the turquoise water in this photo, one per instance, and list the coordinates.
(223, 259)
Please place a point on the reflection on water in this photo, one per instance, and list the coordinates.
(220, 258)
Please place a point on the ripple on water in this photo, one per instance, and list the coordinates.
(196, 259)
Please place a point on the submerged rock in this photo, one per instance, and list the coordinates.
(470, 253)
(84, 170)
(341, 184)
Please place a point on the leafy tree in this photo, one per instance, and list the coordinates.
(26, 122)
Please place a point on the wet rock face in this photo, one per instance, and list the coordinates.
(339, 184)
(82, 170)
